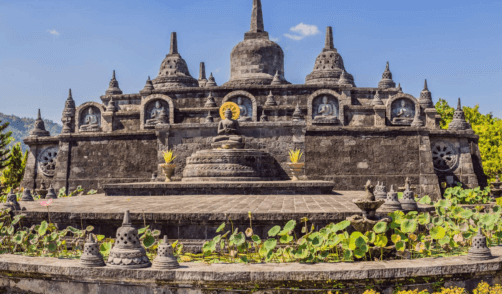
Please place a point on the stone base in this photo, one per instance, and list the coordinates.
(326, 121)
(231, 165)
(221, 188)
(229, 144)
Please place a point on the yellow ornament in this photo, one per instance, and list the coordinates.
(236, 111)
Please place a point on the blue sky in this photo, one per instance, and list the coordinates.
(50, 46)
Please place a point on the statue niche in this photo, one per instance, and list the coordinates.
(325, 110)
(229, 133)
(402, 112)
(91, 120)
(246, 108)
(156, 113)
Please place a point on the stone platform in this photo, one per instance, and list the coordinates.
(192, 219)
(221, 188)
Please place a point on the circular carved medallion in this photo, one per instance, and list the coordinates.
(47, 161)
(236, 112)
(444, 156)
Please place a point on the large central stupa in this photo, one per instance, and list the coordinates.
(256, 60)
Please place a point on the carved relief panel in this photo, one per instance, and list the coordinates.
(246, 107)
(90, 120)
(156, 112)
(47, 161)
(402, 111)
(325, 110)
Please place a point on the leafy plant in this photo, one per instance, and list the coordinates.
(13, 174)
(459, 195)
(168, 156)
(295, 155)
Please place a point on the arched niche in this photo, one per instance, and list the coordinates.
(247, 100)
(150, 103)
(315, 101)
(89, 117)
(402, 109)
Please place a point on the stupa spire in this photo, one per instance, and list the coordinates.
(174, 44)
(257, 18)
(202, 71)
(70, 96)
(425, 86)
(329, 44)
(386, 81)
(40, 115)
(426, 97)
(459, 123)
(459, 105)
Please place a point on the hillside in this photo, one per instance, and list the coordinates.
(21, 127)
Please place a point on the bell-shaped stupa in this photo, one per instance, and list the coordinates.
(174, 70)
(329, 66)
(256, 60)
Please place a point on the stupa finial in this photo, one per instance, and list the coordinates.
(70, 96)
(459, 105)
(257, 17)
(40, 115)
(127, 219)
(329, 44)
(425, 86)
(113, 74)
(174, 44)
(202, 71)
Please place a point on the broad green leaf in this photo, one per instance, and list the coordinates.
(270, 244)
(359, 253)
(10, 230)
(105, 248)
(445, 240)
(256, 239)
(360, 242)
(220, 228)
(381, 240)
(400, 246)
(89, 228)
(43, 228)
(371, 236)
(424, 218)
(380, 227)
(438, 233)
(274, 231)
(395, 238)
(100, 237)
(443, 203)
(347, 255)
(239, 239)
(52, 247)
(341, 226)
(286, 239)
(148, 241)
(409, 226)
(140, 231)
(289, 226)
(425, 200)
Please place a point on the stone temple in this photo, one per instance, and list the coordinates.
(349, 134)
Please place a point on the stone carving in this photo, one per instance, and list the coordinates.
(386, 81)
(376, 100)
(211, 82)
(368, 205)
(391, 202)
(91, 257)
(245, 107)
(444, 156)
(112, 106)
(174, 70)
(229, 134)
(12, 201)
(263, 116)
(326, 110)
(459, 123)
(39, 128)
(91, 122)
(210, 101)
(402, 112)
(47, 161)
(297, 114)
(127, 251)
(380, 191)
(165, 257)
(399, 89)
(27, 195)
(426, 97)
(113, 88)
(344, 81)
(202, 75)
(479, 250)
(209, 118)
(156, 113)
(408, 202)
(270, 100)
(51, 194)
(68, 118)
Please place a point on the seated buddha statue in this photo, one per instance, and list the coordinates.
(245, 113)
(228, 133)
(158, 115)
(91, 122)
(403, 115)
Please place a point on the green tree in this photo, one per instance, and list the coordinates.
(14, 172)
(489, 130)
(5, 139)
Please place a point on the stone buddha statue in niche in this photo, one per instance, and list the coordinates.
(158, 115)
(245, 112)
(403, 114)
(91, 122)
(229, 133)
(326, 111)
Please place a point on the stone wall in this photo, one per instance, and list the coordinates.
(19, 274)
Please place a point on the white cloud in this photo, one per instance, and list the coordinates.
(53, 32)
(274, 39)
(217, 70)
(302, 30)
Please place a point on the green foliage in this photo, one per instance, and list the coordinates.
(489, 129)
(5, 139)
(459, 195)
(13, 174)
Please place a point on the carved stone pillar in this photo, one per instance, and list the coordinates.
(430, 118)
(429, 183)
(380, 111)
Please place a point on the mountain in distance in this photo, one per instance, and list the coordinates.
(21, 127)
